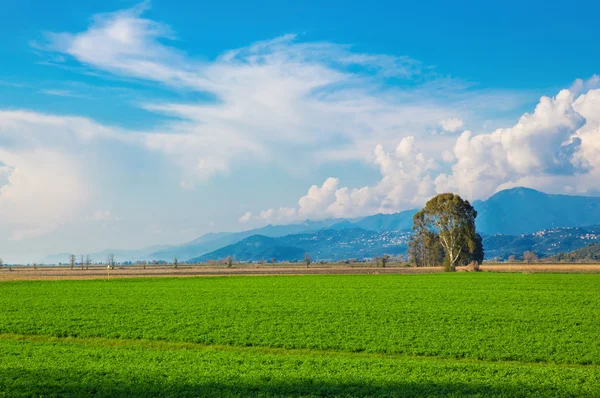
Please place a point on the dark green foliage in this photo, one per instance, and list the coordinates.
(589, 253)
(449, 221)
(424, 249)
(476, 255)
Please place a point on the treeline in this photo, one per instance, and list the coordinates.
(586, 254)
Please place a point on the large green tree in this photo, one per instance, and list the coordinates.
(476, 255)
(424, 248)
(449, 220)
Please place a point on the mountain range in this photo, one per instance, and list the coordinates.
(508, 220)
(327, 244)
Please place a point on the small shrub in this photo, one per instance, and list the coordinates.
(473, 266)
(447, 266)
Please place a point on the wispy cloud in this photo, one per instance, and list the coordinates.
(273, 96)
(282, 98)
(62, 93)
(7, 83)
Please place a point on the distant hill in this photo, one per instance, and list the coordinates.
(387, 222)
(206, 244)
(544, 243)
(524, 211)
(512, 213)
(255, 248)
(329, 244)
(588, 253)
(358, 243)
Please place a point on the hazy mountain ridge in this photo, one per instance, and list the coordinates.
(523, 211)
(329, 244)
(358, 243)
(514, 212)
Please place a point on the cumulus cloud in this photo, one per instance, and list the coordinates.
(448, 156)
(452, 125)
(405, 182)
(541, 143)
(556, 148)
(246, 217)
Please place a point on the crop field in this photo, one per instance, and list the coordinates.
(463, 334)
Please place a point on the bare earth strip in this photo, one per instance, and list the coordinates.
(96, 272)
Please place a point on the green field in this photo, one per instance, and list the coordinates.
(384, 335)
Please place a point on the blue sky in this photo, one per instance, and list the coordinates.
(125, 124)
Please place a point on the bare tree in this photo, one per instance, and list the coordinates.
(88, 262)
(529, 257)
(384, 260)
(229, 262)
(2, 265)
(175, 262)
(81, 261)
(144, 264)
(512, 258)
(307, 259)
(72, 261)
(111, 261)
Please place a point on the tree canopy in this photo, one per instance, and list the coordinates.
(445, 231)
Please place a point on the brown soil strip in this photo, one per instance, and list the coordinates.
(65, 273)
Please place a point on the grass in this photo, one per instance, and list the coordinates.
(386, 335)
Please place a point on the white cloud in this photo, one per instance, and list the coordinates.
(405, 183)
(102, 215)
(448, 157)
(44, 184)
(542, 143)
(271, 98)
(246, 217)
(581, 86)
(43, 192)
(281, 98)
(62, 93)
(452, 125)
(556, 149)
